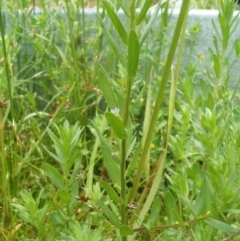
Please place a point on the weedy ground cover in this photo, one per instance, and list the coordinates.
(104, 137)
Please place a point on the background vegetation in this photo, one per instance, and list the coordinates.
(103, 138)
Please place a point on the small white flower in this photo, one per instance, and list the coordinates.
(114, 154)
(115, 111)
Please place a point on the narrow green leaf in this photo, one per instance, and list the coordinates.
(27, 197)
(117, 125)
(78, 231)
(54, 176)
(206, 141)
(55, 157)
(200, 205)
(203, 200)
(154, 215)
(220, 225)
(107, 90)
(116, 22)
(237, 47)
(133, 53)
(226, 36)
(21, 208)
(110, 163)
(188, 205)
(125, 231)
(216, 65)
(119, 95)
(113, 43)
(225, 29)
(143, 11)
(111, 192)
(109, 214)
(171, 209)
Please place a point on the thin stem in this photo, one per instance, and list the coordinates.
(123, 183)
(123, 153)
(6, 215)
(167, 226)
(124, 141)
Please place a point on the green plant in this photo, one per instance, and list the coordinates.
(67, 154)
(119, 117)
(31, 212)
(157, 153)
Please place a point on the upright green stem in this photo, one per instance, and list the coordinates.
(125, 123)
(4, 180)
(123, 153)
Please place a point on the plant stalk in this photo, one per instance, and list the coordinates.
(124, 153)
(125, 123)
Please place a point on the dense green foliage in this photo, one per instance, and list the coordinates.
(102, 137)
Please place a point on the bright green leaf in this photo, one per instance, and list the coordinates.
(117, 125)
(125, 231)
(111, 165)
(133, 53)
(237, 47)
(143, 11)
(154, 215)
(54, 156)
(116, 22)
(107, 90)
(188, 205)
(171, 209)
(116, 88)
(111, 192)
(203, 200)
(224, 227)
(109, 214)
(54, 175)
(109, 161)
(216, 64)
